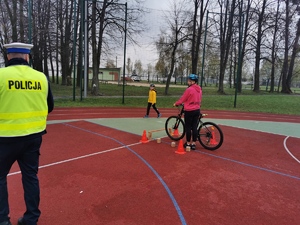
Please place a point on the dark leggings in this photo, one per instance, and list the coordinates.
(191, 120)
(153, 106)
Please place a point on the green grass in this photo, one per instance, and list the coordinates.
(136, 96)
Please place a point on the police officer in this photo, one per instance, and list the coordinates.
(25, 101)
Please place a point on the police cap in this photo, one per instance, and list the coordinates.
(18, 47)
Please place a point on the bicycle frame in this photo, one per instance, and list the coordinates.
(199, 122)
(210, 135)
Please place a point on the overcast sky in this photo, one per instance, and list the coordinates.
(157, 4)
(154, 21)
(147, 52)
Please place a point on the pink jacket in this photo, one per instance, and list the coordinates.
(191, 98)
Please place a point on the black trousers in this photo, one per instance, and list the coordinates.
(153, 106)
(26, 152)
(191, 120)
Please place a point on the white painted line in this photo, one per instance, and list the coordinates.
(286, 148)
(76, 158)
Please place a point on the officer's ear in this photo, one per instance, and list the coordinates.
(8, 56)
(27, 57)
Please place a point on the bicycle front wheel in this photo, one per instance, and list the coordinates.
(174, 127)
(210, 136)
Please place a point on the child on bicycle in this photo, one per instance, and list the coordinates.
(152, 101)
(191, 99)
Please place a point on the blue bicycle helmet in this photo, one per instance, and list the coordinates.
(193, 77)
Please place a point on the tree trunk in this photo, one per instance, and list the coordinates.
(12, 14)
(37, 40)
(197, 33)
(65, 39)
(292, 60)
(226, 36)
(173, 58)
(273, 54)
(286, 50)
(245, 35)
(258, 47)
(46, 39)
(194, 36)
(80, 50)
(21, 15)
(97, 49)
(171, 70)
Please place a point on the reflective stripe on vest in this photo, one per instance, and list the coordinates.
(23, 101)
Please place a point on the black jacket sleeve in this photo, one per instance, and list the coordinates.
(50, 100)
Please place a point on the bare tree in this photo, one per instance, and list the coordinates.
(129, 66)
(295, 50)
(65, 26)
(5, 27)
(273, 54)
(12, 12)
(80, 15)
(53, 31)
(138, 67)
(40, 39)
(108, 18)
(244, 10)
(201, 6)
(149, 71)
(178, 23)
(17, 12)
(286, 87)
(162, 61)
(259, 36)
(97, 45)
(286, 48)
(226, 33)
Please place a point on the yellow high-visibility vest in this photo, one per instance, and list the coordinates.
(23, 101)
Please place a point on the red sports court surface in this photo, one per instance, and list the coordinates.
(93, 174)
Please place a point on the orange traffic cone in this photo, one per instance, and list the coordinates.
(175, 133)
(144, 137)
(212, 140)
(180, 149)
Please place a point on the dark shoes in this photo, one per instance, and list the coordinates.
(158, 116)
(192, 146)
(21, 222)
(7, 222)
(186, 145)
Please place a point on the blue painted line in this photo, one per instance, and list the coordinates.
(183, 222)
(165, 186)
(250, 165)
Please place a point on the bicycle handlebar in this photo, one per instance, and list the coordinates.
(201, 115)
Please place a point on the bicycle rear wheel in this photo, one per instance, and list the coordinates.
(174, 127)
(210, 136)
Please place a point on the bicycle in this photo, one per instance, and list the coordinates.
(210, 135)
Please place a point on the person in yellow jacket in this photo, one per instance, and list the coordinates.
(152, 101)
(25, 101)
